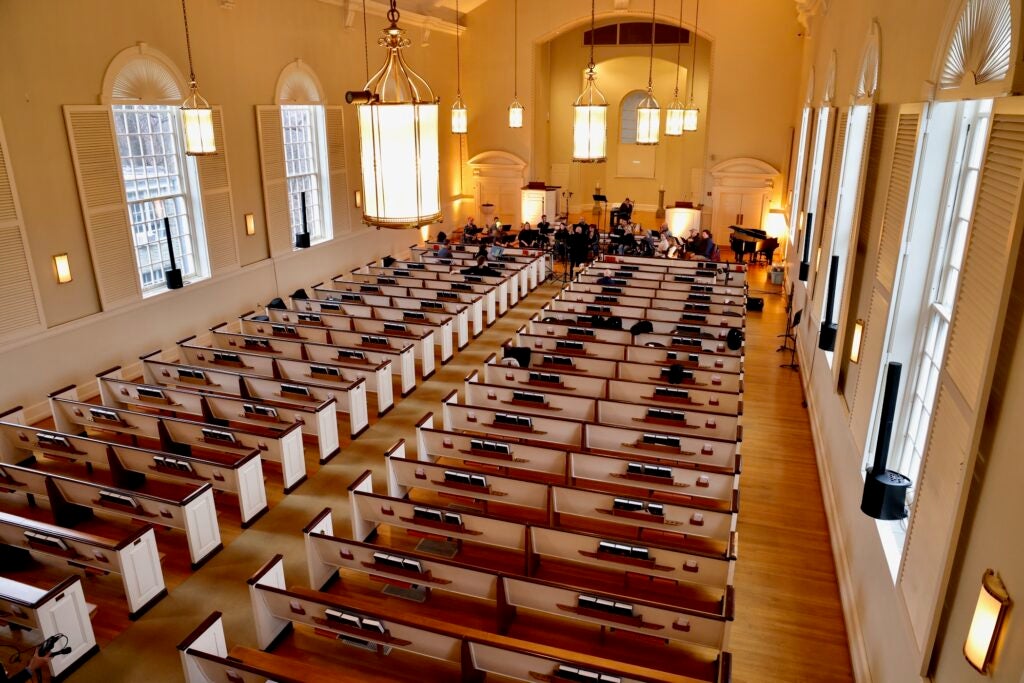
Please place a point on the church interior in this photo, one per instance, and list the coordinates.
(626, 341)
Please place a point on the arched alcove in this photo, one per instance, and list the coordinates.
(298, 84)
(142, 75)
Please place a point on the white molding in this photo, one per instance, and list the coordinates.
(142, 52)
(407, 19)
(298, 78)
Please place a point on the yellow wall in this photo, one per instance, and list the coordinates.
(56, 53)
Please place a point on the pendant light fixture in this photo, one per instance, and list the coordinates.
(460, 115)
(590, 114)
(674, 111)
(196, 114)
(515, 110)
(691, 113)
(397, 115)
(648, 113)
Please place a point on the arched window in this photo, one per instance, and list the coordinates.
(979, 51)
(302, 124)
(161, 184)
(627, 117)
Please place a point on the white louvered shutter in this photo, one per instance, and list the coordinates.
(19, 292)
(218, 211)
(808, 337)
(828, 224)
(337, 169)
(966, 376)
(275, 179)
(886, 260)
(104, 208)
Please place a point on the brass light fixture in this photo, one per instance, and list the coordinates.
(515, 110)
(987, 623)
(250, 224)
(674, 111)
(648, 113)
(62, 267)
(691, 113)
(196, 113)
(590, 114)
(397, 114)
(460, 115)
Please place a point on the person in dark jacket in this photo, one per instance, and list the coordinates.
(579, 244)
(481, 268)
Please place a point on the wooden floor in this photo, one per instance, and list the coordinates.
(789, 625)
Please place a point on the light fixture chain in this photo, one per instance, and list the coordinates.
(188, 46)
(593, 10)
(679, 47)
(515, 51)
(650, 68)
(693, 63)
(366, 45)
(458, 54)
(393, 13)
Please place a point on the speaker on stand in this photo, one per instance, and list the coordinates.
(173, 274)
(792, 364)
(302, 238)
(885, 491)
(805, 262)
(827, 334)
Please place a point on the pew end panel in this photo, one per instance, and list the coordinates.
(269, 627)
(321, 573)
(395, 489)
(207, 638)
(363, 527)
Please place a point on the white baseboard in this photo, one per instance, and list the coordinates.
(851, 617)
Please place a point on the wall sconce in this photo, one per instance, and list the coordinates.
(359, 199)
(993, 601)
(62, 267)
(858, 337)
(250, 224)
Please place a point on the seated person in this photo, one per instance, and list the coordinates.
(606, 278)
(703, 248)
(445, 251)
(620, 237)
(471, 230)
(583, 224)
(544, 227)
(625, 209)
(442, 237)
(481, 268)
(528, 237)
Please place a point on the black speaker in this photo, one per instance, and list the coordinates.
(885, 491)
(173, 278)
(734, 339)
(755, 303)
(302, 238)
(805, 262)
(827, 334)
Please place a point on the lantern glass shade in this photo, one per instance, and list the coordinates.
(648, 121)
(397, 115)
(993, 601)
(674, 114)
(590, 124)
(690, 115)
(460, 117)
(197, 125)
(62, 267)
(515, 114)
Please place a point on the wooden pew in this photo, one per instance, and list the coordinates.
(186, 452)
(133, 556)
(488, 295)
(694, 325)
(412, 324)
(59, 609)
(691, 292)
(674, 342)
(619, 390)
(529, 269)
(675, 284)
(474, 302)
(348, 348)
(634, 313)
(180, 506)
(569, 347)
(476, 539)
(504, 291)
(394, 309)
(656, 302)
(327, 376)
(540, 261)
(662, 447)
(510, 424)
(218, 393)
(580, 407)
(171, 433)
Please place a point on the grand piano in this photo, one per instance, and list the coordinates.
(751, 241)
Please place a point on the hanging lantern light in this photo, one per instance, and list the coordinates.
(590, 114)
(674, 111)
(648, 113)
(196, 113)
(691, 112)
(515, 110)
(397, 115)
(460, 115)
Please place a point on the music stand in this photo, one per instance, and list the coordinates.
(788, 334)
(792, 365)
